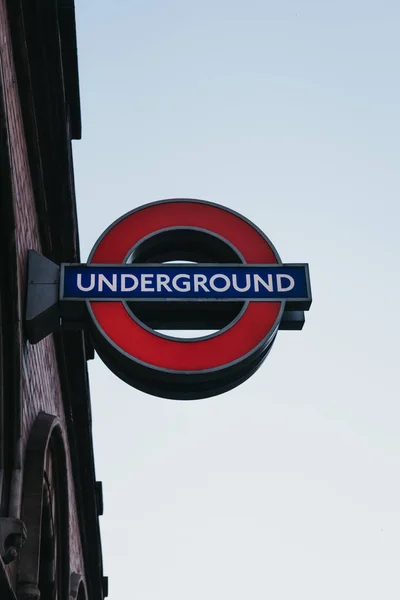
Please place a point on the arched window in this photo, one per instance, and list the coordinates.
(44, 560)
(78, 589)
(82, 592)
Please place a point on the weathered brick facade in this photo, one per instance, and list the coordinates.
(41, 387)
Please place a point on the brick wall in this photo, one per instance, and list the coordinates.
(40, 385)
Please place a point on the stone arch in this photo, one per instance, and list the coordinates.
(44, 511)
(77, 587)
(82, 595)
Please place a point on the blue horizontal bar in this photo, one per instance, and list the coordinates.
(183, 281)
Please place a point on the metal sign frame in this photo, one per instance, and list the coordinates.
(123, 329)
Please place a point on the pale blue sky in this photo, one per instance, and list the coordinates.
(286, 488)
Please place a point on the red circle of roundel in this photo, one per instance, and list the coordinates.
(128, 336)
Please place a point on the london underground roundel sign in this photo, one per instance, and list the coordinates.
(186, 264)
